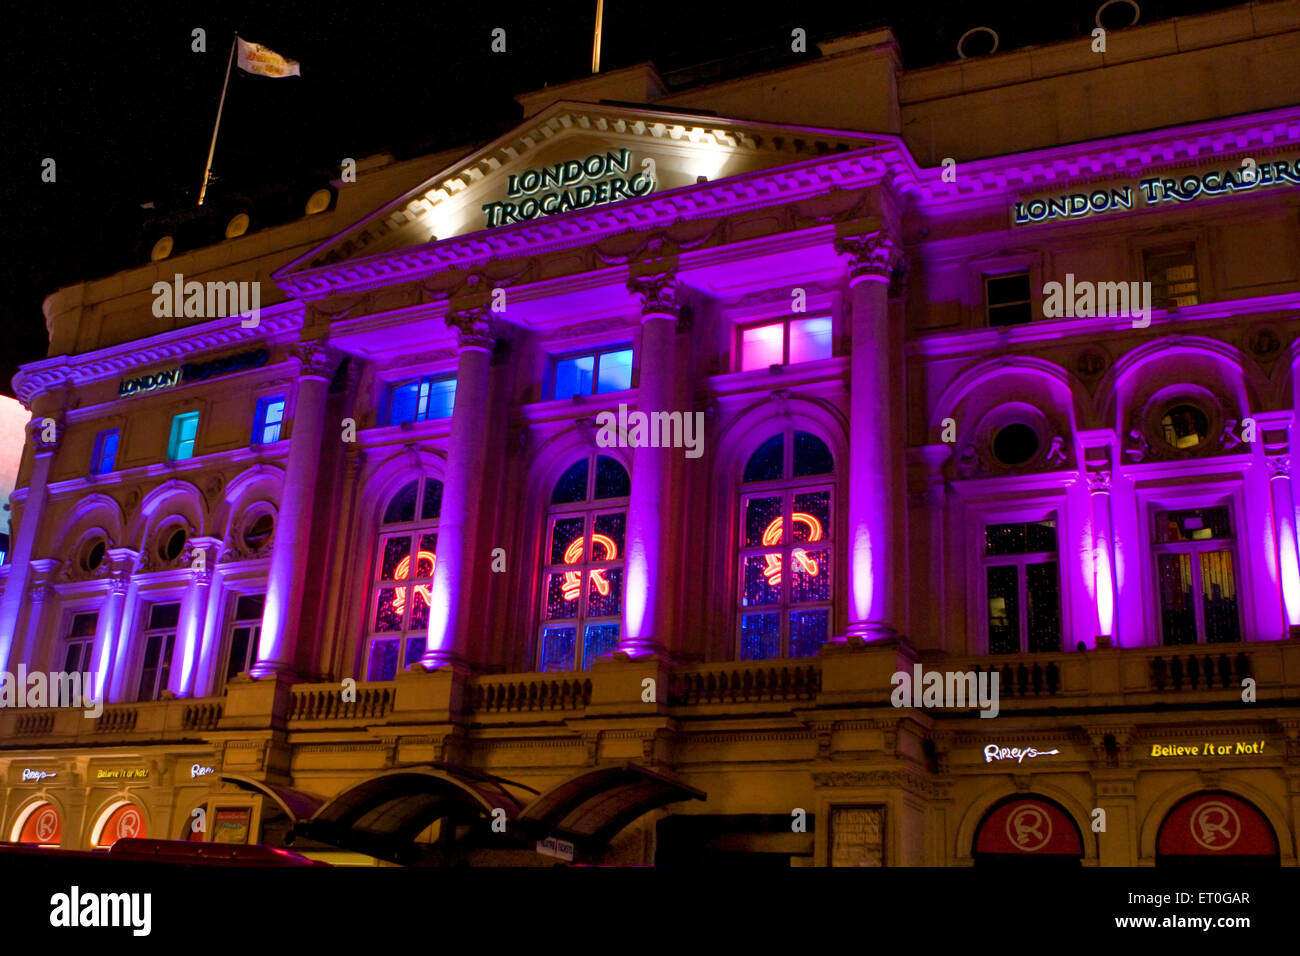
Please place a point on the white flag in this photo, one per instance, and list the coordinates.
(263, 61)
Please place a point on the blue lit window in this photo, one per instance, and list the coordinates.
(422, 400)
(268, 419)
(593, 374)
(104, 459)
(185, 429)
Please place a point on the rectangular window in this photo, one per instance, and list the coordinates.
(1172, 274)
(1022, 586)
(159, 640)
(593, 374)
(789, 342)
(1195, 576)
(268, 419)
(423, 400)
(81, 642)
(1007, 299)
(185, 429)
(104, 458)
(245, 630)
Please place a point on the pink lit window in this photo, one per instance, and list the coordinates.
(790, 342)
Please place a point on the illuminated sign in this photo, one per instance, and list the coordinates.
(403, 571)
(1156, 190)
(29, 774)
(1208, 749)
(572, 584)
(772, 535)
(560, 849)
(128, 773)
(192, 372)
(994, 752)
(199, 771)
(575, 184)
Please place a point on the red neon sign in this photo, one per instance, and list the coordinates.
(772, 535)
(404, 571)
(572, 585)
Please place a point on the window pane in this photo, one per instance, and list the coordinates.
(239, 639)
(615, 371)
(572, 485)
(1172, 274)
(432, 505)
(396, 563)
(562, 593)
(249, 607)
(760, 635)
(605, 592)
(414, 650)
(164, 615)
(573, 376)
(811, 456)
(383, 660)
(763, 522)
(557, 648)
(611, 479)
(808, 630)
(72, 659)
(1193, 524)
(1010, 314)
(405, 403)
(388, 610)
(607, 538)
(600, 641)
(768, 462)
(1184, 426)
(762, 347)
(441, 398)
(1031, 537)
(810, 576)
(762, 574)
(1004, 610)
(810, 340)
(419, 608)
(1177, 613)
(83, 625)
(566, 540)
(811, 517)
(402, 506)
(1003, 290)
(426, 556)
(1219, 597)
(1043, 606)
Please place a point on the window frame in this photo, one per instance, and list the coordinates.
(422, 383)
(788, 487)
(174, 441)
(97, 451)
(263, 405)
(167, 634)
(87, 655)
(231, 622)
(1020, 562)
(595, 353)
(988, 306)
(785, 321)
(1195, 548)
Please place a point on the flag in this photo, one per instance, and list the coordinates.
(263, 61)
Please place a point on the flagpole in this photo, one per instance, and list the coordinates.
(595, 43)
(213, 146)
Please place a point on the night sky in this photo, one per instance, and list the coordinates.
(115, 95)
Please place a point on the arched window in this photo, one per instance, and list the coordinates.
(582, 579)
(397, 626)
(785, 548)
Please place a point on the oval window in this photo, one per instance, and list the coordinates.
(259, 531)
(173, 545)
(93, 556)
(1185, 426)
(1015, 444)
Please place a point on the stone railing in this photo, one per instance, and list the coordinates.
(160, 720)
(527, 693)
(370, 702)
(750, 683)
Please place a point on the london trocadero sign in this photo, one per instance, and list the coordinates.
(574, 184)
(1156, 191)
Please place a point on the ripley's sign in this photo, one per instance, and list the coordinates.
(192, 372)
(576, 184)
(1156, 190)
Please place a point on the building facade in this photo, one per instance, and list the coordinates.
(616, 481)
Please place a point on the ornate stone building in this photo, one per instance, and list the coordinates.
(597, 487)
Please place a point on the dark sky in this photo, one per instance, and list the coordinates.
(115, 95)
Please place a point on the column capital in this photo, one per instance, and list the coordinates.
(658, 293)
(316, 360)
(473, 329)
(1098, 480)
(872, 255)
(1279, 466)
(38, 429)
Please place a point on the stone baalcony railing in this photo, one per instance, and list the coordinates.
(156, 720)
(528, 693)
(325, 702)
(753, 682)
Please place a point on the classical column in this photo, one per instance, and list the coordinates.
(1103, 556)
(39, 651)
(109, 626)
(641, 634)
(874, 380)
(460, 491)
(21, 552)
(1288, 562)
(203, 558)
(277, 648)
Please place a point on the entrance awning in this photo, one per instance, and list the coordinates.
(593, 806)
(296, 804)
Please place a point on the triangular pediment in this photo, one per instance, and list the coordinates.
(573, 157)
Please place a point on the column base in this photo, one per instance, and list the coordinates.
(440, 660)
(641, 651)
(1103, 640)
(865, 632)
(264, 669)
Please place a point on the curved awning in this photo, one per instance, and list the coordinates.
(296, 804)
(591, 807)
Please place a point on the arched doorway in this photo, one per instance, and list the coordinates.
(118, 821)
(39, 825)
(1028, 830)
(1216, 828)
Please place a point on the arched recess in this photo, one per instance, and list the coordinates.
(736, 443)
(1163, 805)
(105, 811)
(32, 805)
(969, 825)
(173, 498)
(1070, 398)
(94, 511)
(257, 487)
